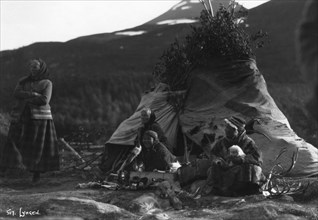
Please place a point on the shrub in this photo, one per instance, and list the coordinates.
(222, 36)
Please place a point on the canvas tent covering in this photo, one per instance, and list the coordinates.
(222, 90)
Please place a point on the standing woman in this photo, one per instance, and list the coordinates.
(32, 140)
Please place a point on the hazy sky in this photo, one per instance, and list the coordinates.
(27, 21)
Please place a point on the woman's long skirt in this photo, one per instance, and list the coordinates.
(33, 145)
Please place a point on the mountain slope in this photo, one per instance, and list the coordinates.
(95, 66)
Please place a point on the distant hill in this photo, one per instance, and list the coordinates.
(98, 79)
(186, 9)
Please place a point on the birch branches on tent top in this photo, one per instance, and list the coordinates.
(216, 36)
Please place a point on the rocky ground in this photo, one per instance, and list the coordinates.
(57, 196)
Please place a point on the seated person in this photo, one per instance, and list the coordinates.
(245, 175)
(148, 120)
(155, 155)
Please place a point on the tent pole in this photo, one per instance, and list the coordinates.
(186, 153)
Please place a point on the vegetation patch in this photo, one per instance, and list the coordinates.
(217, 37)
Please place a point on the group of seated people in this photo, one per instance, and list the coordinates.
(235, 159)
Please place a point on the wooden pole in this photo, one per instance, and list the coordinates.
(68, 147)
(203, 3)
(211, 8)
(186, 153)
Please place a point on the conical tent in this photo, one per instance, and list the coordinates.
(225, 89)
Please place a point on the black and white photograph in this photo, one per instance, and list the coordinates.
(159, 109)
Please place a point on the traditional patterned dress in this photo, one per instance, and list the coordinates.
(244, 176)
(32, 140)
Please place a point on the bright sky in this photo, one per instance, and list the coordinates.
(27, 21)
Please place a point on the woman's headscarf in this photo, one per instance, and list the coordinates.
(42, 73)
